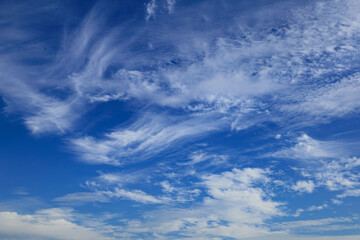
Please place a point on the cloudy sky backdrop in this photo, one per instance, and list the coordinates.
(176, 119)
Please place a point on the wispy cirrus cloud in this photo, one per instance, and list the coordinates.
(200, 71)
(234, 64)
(79, 198)
(144, 138)
(330, 101)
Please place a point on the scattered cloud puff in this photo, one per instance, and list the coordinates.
(316, 208)
(304, 186)
(308, 148)
(330, 165)
(150, 9)
(171, 5)
(310, 209)
(336, 175)
(340, 175)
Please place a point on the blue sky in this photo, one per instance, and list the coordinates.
(173, 119)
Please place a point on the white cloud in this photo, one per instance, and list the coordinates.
(238, 204)
(332, 100)
(120, 185)
(312, 224)
(228, 80)
(216, 74)
(99, 195)
(170, 5)
(145, 137)
(309, 209)
(43, 93)
(350, 193)
(45, 225)
(60, 223)
(208, 158)
(333, 168)
(304, 186)
(20, 191)
(235, 207)
(150, 9)
(82, 197)
(316, 208)
(122, 178)
(138, 196)
(308, 148)
(339, 175)
(43, 113)
(178, 193)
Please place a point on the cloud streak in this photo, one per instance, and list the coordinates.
(144, 138)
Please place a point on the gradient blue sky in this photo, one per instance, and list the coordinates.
(174, 119)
